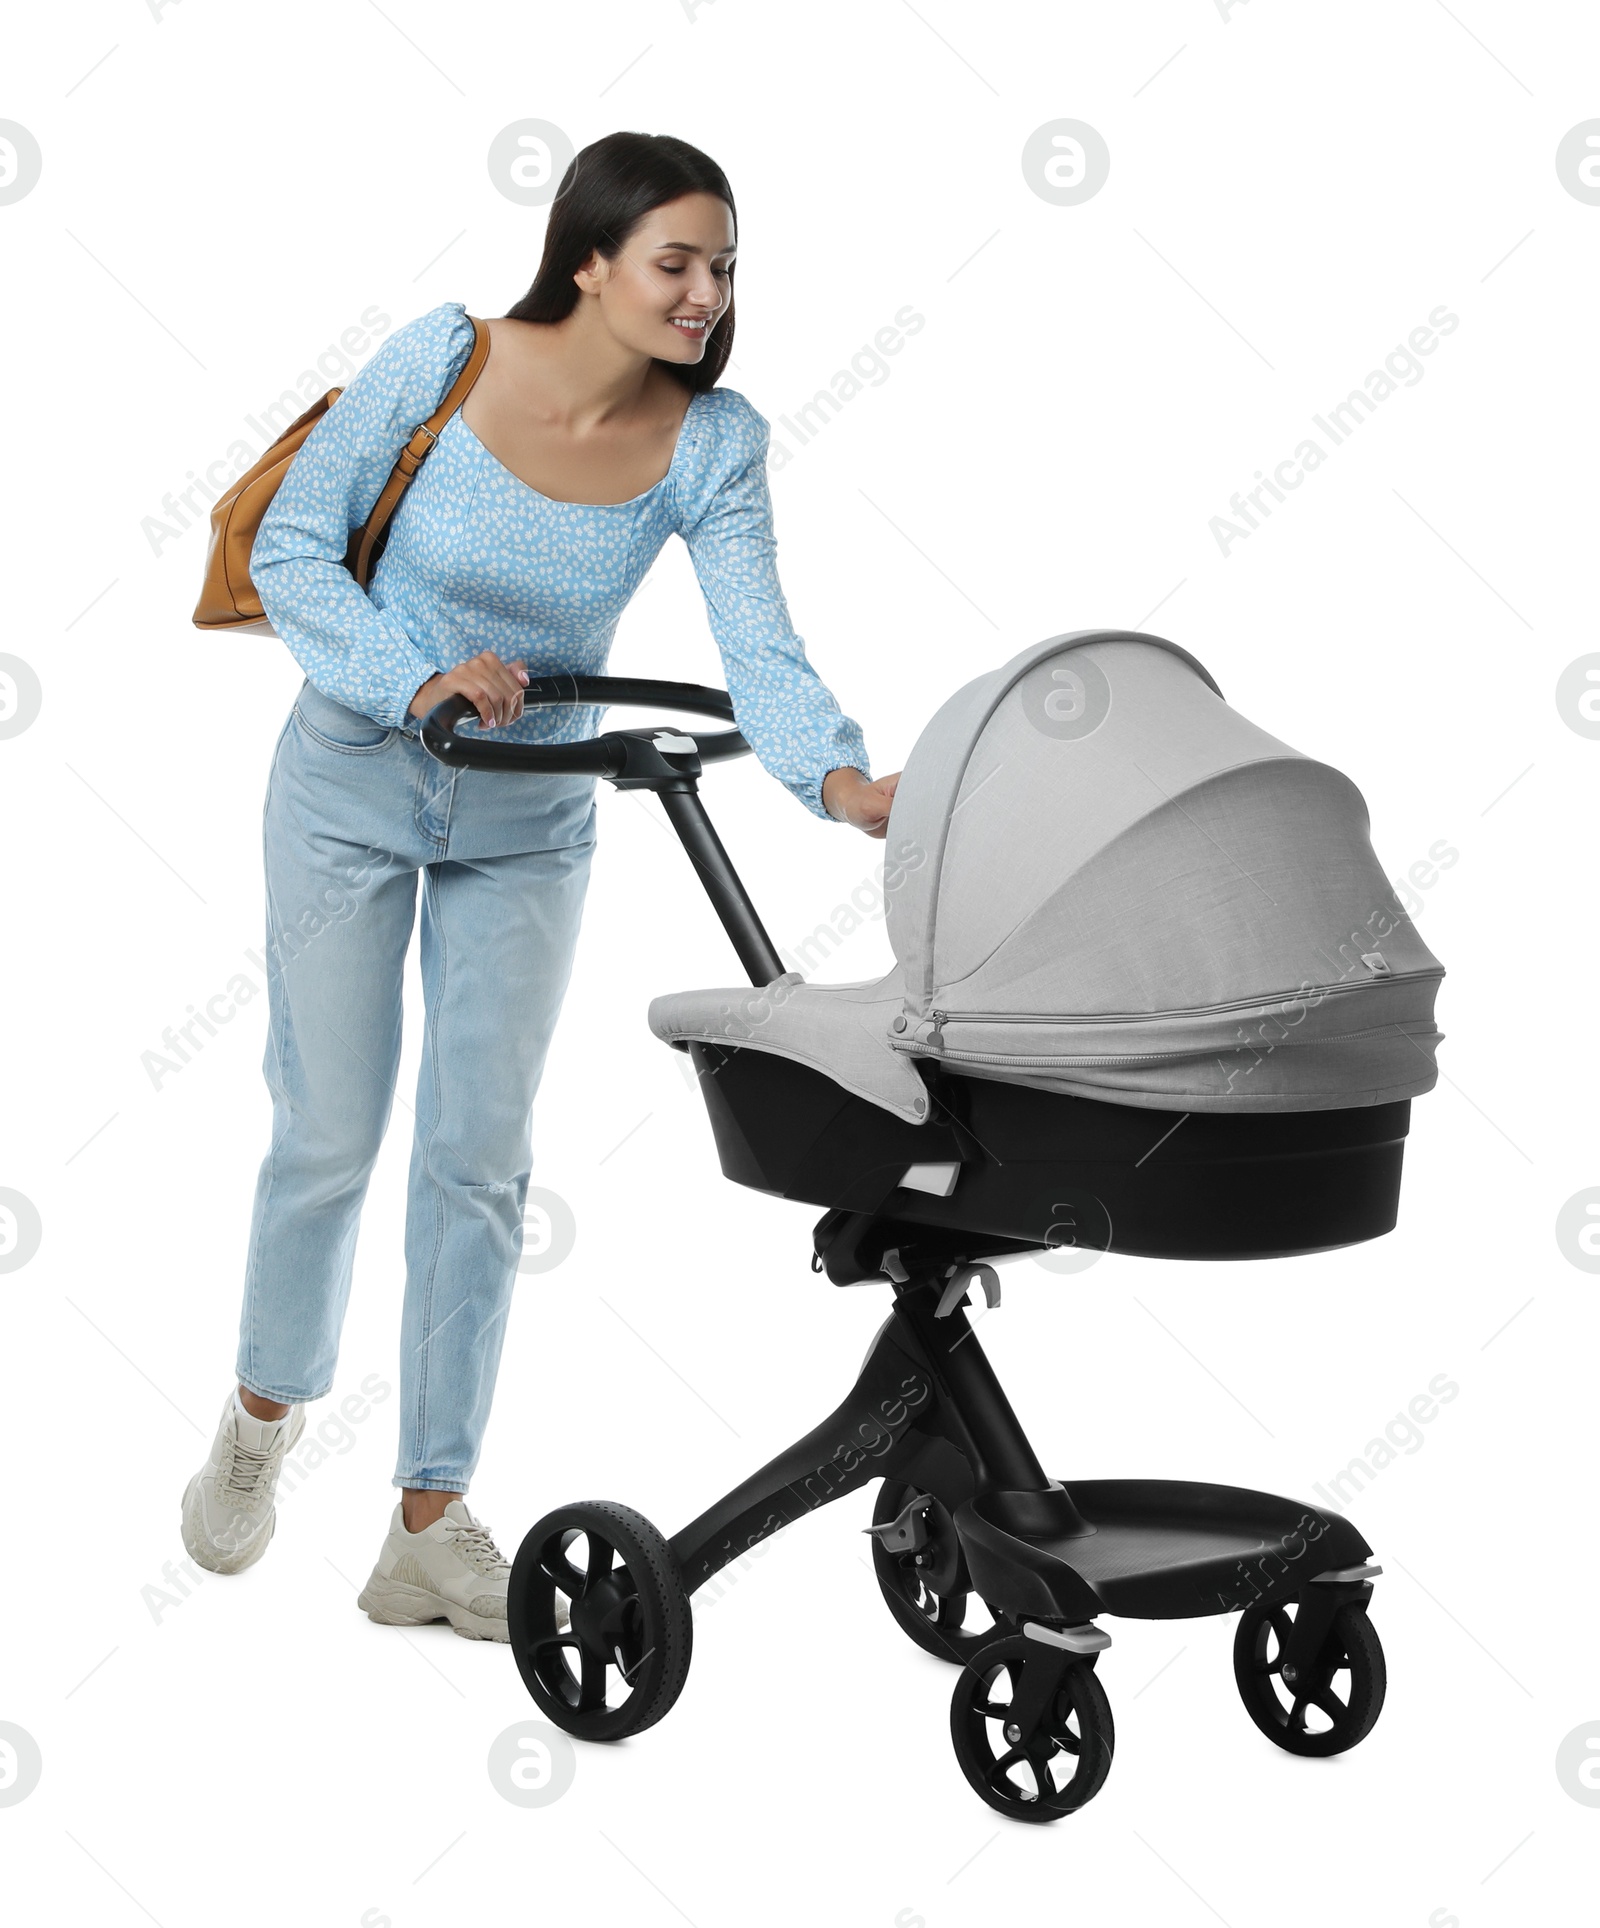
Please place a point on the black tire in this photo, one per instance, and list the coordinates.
(936, 1622)
(1074, 1730)
(630, 1617)
(1344, 1689)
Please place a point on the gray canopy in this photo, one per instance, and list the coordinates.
(1102, 880)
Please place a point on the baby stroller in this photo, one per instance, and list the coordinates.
(1152, 994)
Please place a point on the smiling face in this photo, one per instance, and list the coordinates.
(671, 283)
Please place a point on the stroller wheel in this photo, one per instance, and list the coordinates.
(1331, 1710)
(930, 1600)
(1032, 1728)
(623, 1660)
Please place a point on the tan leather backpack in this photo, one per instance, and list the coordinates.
(228, 598)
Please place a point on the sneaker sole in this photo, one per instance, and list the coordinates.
(200, 1548)
(393, 1604)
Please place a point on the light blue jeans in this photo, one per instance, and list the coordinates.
(354, 813)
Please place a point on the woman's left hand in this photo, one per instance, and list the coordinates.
(847, 795)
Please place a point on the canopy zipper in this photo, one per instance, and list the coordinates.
(1263, 1003)
(1135, 1057)
(1001, 1057)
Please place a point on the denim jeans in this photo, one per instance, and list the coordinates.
(354, 813)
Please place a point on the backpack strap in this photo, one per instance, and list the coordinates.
(424, 436)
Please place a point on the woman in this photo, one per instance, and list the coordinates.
(595, 430)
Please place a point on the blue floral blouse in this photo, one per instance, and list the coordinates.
(478, 559)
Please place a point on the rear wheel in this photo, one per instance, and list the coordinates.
(927, 1589)
(623, 1660)
(1328, 1706)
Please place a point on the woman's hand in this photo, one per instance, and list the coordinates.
(847, 795)
(494, 689)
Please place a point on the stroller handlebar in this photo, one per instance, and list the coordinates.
(664, 760)
(632, 758)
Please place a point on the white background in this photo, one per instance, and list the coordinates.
(1292, 190)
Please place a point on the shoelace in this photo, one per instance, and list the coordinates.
(244, 1472)
(477, 1548)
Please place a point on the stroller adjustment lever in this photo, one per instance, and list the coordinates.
(965, 1277)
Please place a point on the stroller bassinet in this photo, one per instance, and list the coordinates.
(1152, 992)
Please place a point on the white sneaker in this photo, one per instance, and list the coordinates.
(451, 1571)
(228, 1514)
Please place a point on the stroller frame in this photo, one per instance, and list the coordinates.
(927, 1410)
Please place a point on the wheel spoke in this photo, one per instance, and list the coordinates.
(552, 1641)
(601, 1557)
(911, 1583)
(592, 1685)
(1040, 1753)
(1060, 1727)
(626, 1634)
(993, 1678)
(563, 1576)
(1324, 1697)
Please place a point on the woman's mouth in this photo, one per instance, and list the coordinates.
(686, 325)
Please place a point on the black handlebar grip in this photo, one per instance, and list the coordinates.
(603, 756)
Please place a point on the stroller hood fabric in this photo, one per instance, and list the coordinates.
(1103, 880)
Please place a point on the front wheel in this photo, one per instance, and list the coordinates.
(617, 1659)
(1340, 1697)
(1032, 1728)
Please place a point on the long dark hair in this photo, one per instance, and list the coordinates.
(609, 188)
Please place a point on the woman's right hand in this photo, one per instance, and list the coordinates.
(493, 688)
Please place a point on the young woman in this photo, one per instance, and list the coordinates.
(595, 430)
